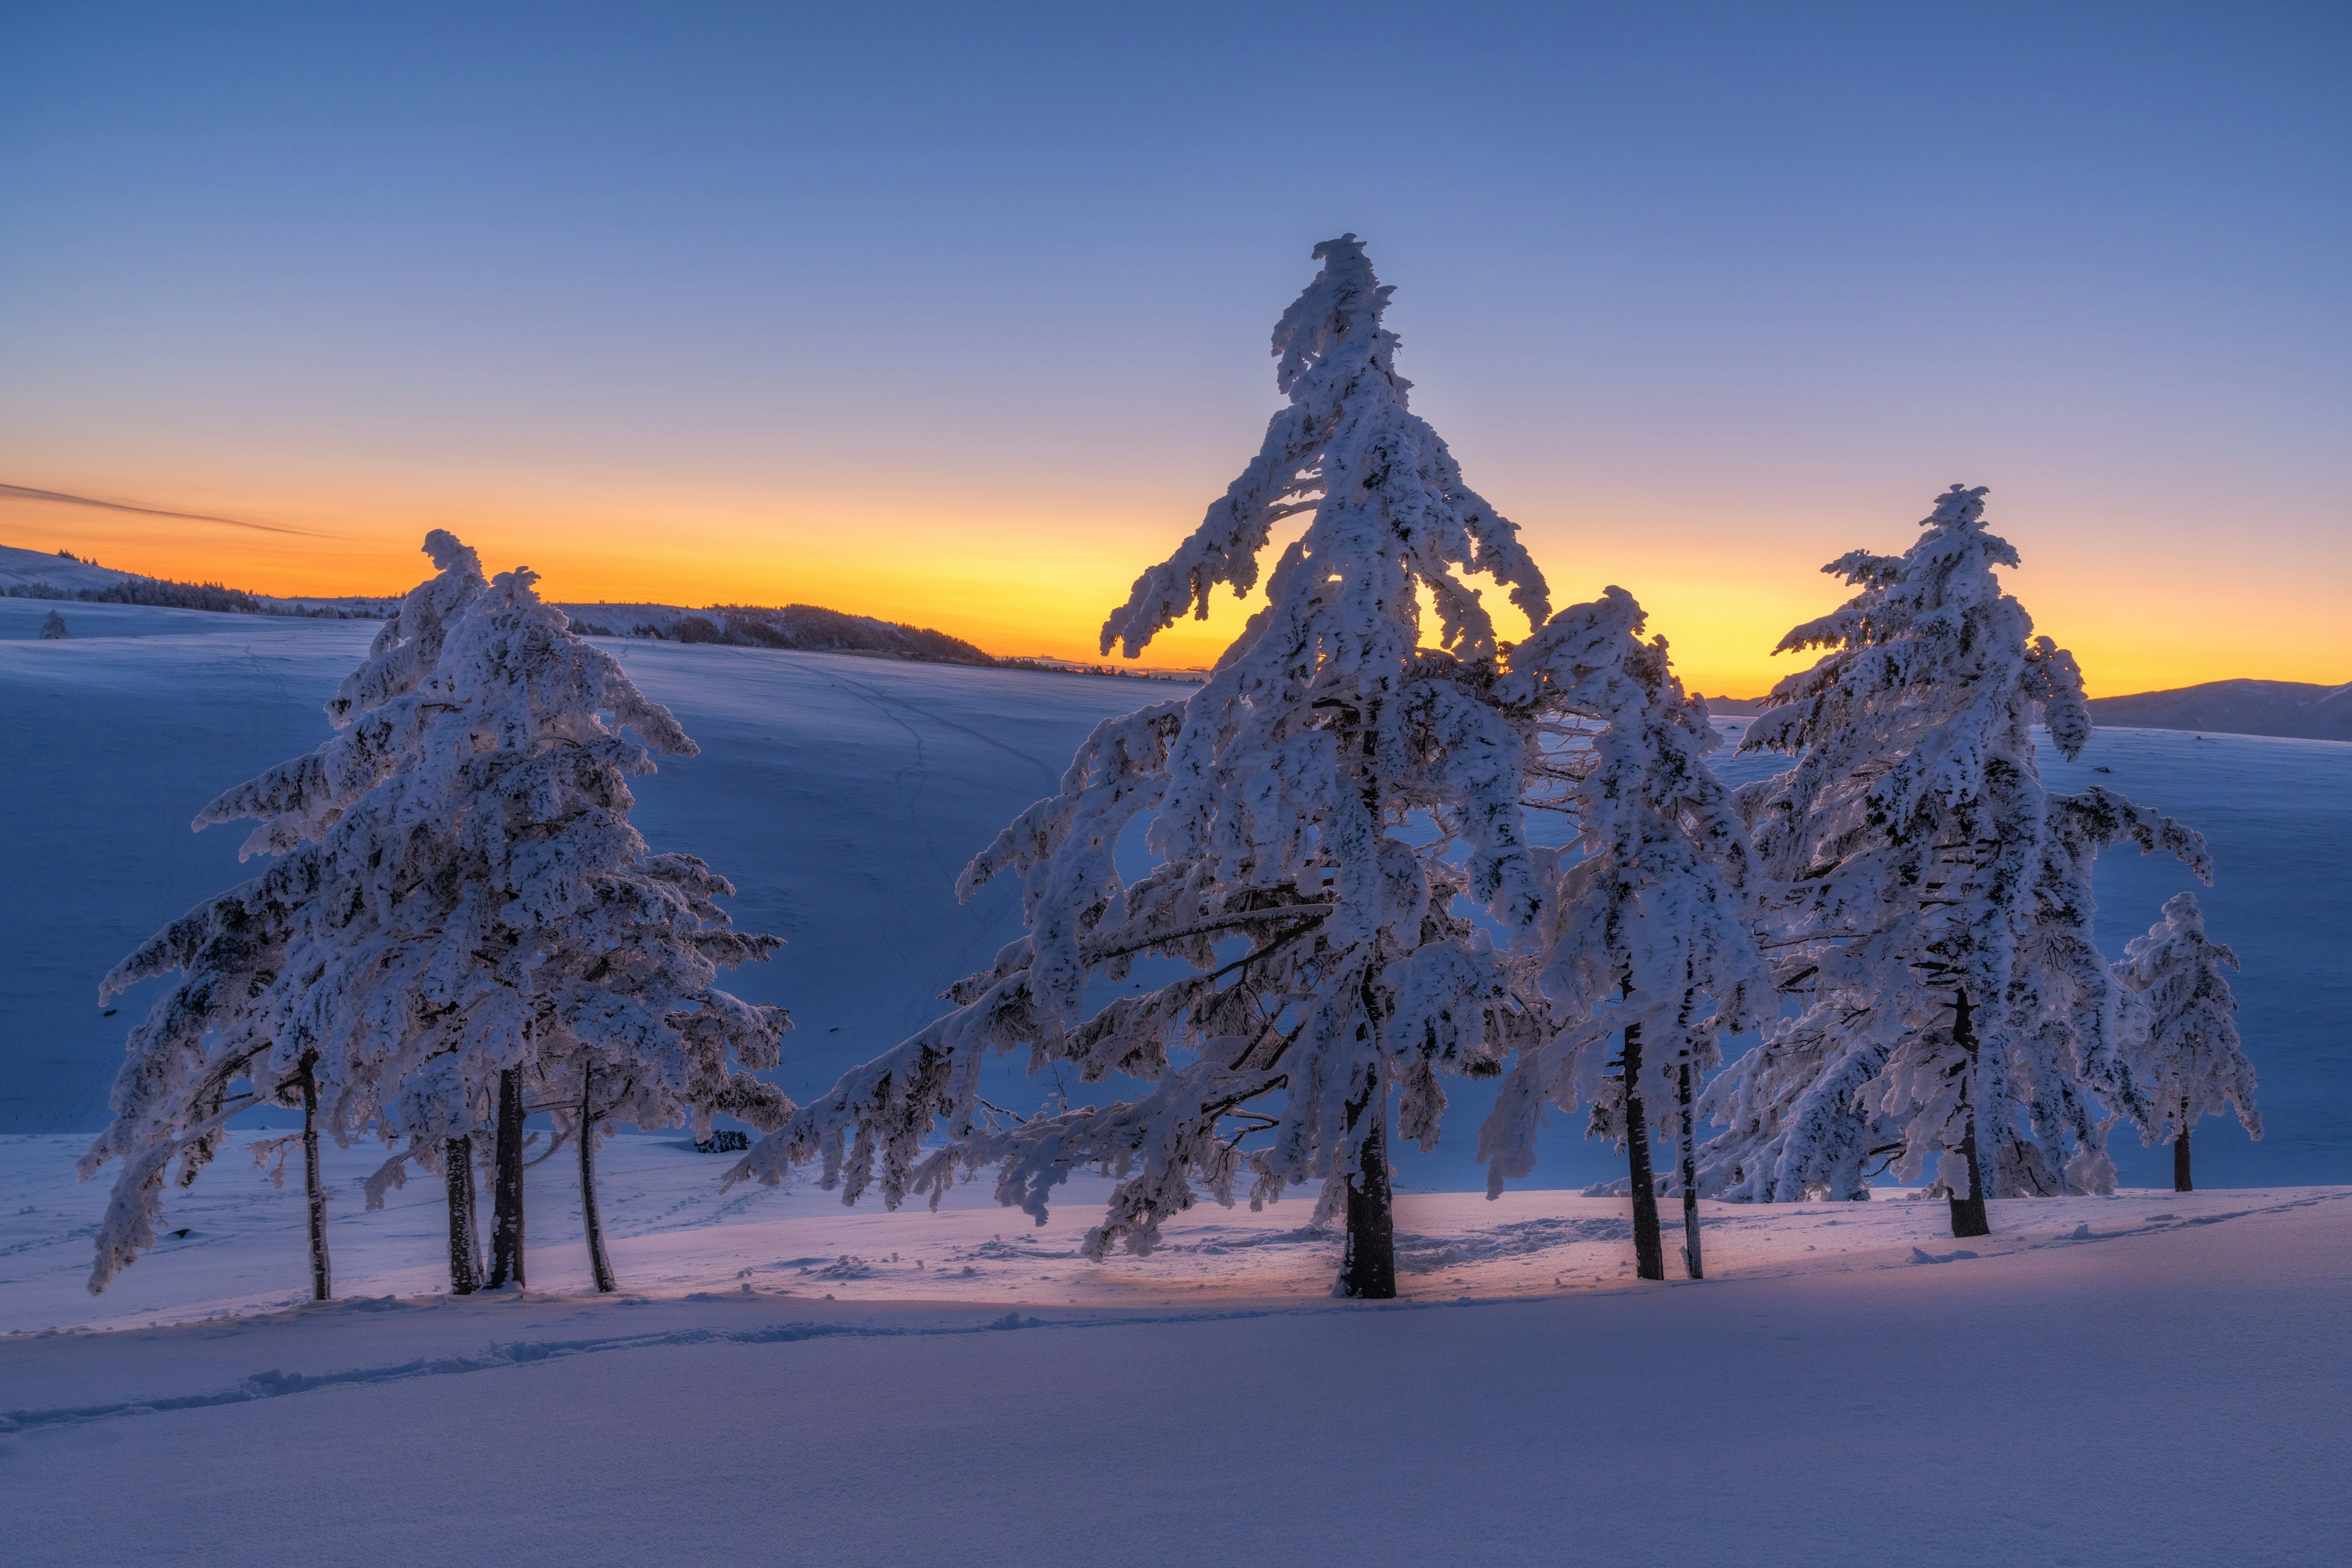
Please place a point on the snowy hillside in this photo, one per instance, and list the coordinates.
(843, 794)
(26, 568)
(804, 628)
(2293, 709)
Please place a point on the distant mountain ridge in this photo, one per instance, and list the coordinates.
(2292, 709)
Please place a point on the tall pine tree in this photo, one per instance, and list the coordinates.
(1935, 924)
(1330, 976)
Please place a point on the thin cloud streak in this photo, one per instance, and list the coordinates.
(21, 492)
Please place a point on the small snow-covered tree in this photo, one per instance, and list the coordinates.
(2181, 1030)
(1936, 923)
(1646, 935)
(1328, 968)
(462, 897)
(54, 628)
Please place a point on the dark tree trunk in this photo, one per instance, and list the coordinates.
(1968, 1212)
(1689, 1141)
(598, 1264)
(314, 1192)
(2180, 1183)
(506, 1195)
(1649, 1251)
(1368, 1270)
(465, 1248)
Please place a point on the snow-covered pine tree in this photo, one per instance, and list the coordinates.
(1646, 935)
(1279, 795)
(1936, 919)
(219, 1026)
(54, 628)
(468, 897)
(2181, 1030)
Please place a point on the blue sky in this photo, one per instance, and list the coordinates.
(964, 312)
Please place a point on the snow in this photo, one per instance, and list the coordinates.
(2148, 1378)
(148, 713)
(781, 1383)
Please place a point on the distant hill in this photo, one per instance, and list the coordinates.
(1739, 707)
(2293, 709)
(67, 574)
(29, 574)
(805, 626)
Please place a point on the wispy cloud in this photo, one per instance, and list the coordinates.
(21, 492)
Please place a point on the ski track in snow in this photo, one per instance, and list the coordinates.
(277, 1384)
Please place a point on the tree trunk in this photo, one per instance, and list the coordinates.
(2180, 1183)
(314, 1192)
(465, 1248)
(1649, 1251)
(1689, 1140)
(1968, 1212)
(598, 1264)
(1368, 1270)
(506, 1198)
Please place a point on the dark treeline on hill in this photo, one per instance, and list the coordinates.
(804, 628)
(164, 594)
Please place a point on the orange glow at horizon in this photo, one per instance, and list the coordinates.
(1019, 583)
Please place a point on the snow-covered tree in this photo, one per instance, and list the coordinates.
(1316, 809)
(461, 897)
(209, 1046)
(54, 628)
(1956, 1022)
(1645, 937)
(2181, 1030)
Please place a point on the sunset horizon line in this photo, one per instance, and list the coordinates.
(578, 582)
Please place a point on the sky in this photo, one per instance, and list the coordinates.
(958, 315)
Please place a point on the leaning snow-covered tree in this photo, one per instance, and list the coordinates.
(481, 914)
(1644, 939)
(1316, 810)
(1955, 1019)
(2181, 1030)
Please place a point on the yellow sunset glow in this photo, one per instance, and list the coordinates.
(1014, 582)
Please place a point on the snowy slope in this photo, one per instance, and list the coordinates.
(843, 794)
(23, 568)
(2137, 1380)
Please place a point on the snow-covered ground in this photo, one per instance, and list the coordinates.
(2146, 1379)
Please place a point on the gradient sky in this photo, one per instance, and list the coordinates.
(960, 316)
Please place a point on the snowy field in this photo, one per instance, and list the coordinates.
(2142, 1379)
(2147, 1379)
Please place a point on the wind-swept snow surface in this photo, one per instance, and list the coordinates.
(800, 1383)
